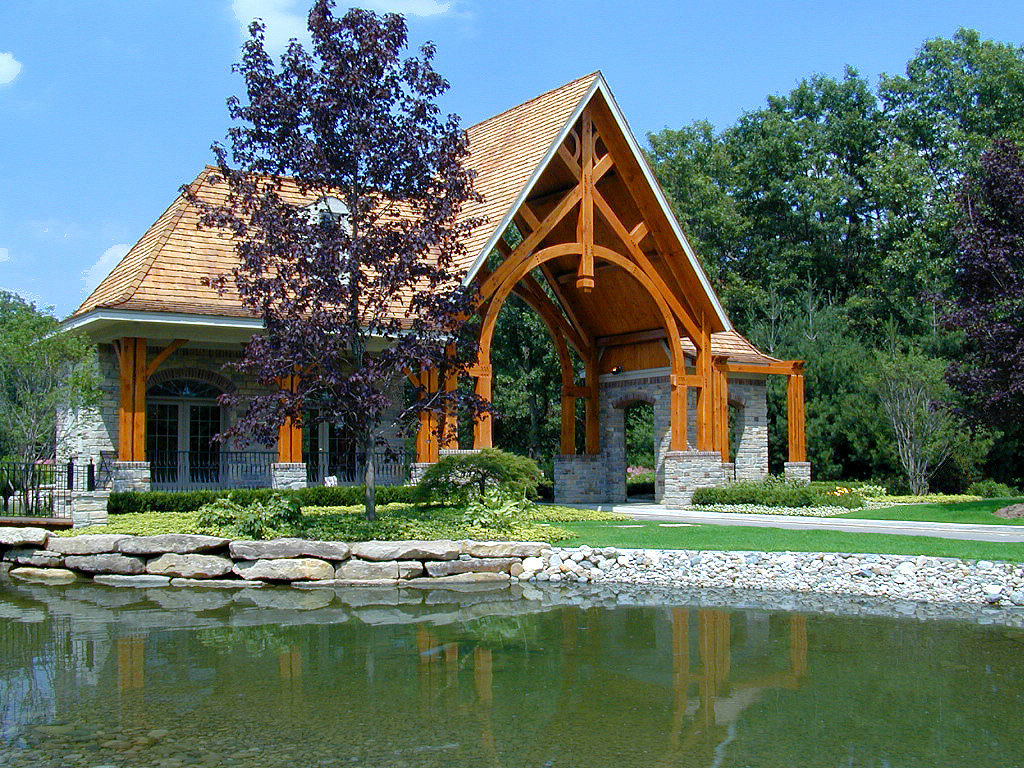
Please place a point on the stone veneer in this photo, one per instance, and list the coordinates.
(581, 479)
(799, 471)
(89, 508)
(130, 476)
(686, 471)
(288, 476)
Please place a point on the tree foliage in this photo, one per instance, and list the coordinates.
(45, 378)
(362, 286)
(988, 303)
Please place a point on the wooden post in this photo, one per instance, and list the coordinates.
(585, 275)
(483, 427)
(679, 416)
(593, 405)
(289, 436)
(705, 399)
(132, 416)
(721, 405)
(451, 416)
(568, 423)
(797, 416)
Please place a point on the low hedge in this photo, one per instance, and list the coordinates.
(641, 484)
(776, 494)
(127, 502)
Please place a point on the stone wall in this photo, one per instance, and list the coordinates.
(89, 508)
(799, 471)
(34, 554)
(751, 426)
(581, 479)
(288, 476)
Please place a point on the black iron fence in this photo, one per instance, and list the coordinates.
(43, 488)
(217, 470)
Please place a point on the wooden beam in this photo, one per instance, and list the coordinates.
(784, 368)
(532, 222)
(679, 417)
(564, 278)
(483, 426)
(575, 390)
(132, 413)
(530, 291)
(585, 275)
(639, 232)
(636, 337)
(705, 408)
(796, 418)
(289, 435)
(165, 353)
(568, 307)
(593, 406)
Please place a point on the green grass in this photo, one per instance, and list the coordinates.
(975, 512)
(744, 538)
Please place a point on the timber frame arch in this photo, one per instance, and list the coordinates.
(604, 263)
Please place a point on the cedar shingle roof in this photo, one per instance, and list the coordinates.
(165, 271)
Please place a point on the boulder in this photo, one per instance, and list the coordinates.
(41, 558)
(440, 549)
(361, 570)
(473, 565)
(503, 548)
(44, 575)
(23, 537)
(91, 544)
(285, 569)
(105, 563)
(288, 548)
(177, 543)
(190, 566)
(141, 580)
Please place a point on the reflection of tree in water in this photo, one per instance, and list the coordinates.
(27, 672)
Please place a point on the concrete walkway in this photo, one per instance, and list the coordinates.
(648, 512)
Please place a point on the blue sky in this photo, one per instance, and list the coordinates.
(108, 106)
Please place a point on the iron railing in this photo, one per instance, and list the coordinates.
(217, 470)
(390, 468)
(43, 488)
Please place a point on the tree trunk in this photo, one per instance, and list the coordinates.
(370, 480)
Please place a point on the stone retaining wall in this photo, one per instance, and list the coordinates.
(34, 554)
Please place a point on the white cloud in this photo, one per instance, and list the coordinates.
(9, 68)
(94, 275)
(286, 19)
(5, 255)
(409, 7)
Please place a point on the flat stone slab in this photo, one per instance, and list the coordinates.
(503, 548)
(141, 580)
(217, 583)
(441, 549)
(106, 563)
(44, 575)
(11, 536)
(472, 565)
(89, 544)
(285, 569)
(40, 558)
(176, 543)
(363, 570)
(276, 549)
(191, 566)
(364, 582)
(457, 579)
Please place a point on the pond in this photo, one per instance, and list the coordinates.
(96, 676)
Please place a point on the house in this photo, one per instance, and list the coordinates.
(624, 292)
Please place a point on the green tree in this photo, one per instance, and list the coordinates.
(45, 377)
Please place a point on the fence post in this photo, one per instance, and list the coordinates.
(90, 480)
(71, 474)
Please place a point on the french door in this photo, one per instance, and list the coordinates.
(180, 445)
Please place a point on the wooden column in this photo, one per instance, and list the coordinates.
(797, 416)
(568, 421)
(450, 441)
(585, 235)
(289, 436)
(720, 390)
(705, 400)
(483, 427)
(679, 416)
(593, 405)
(427, 445)
(132, 353)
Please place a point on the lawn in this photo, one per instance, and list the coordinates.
(976, 512)
(744, 538)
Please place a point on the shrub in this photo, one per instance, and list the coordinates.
(990, 489)
(277, 516)
(456, 479)
(639, 483)
(774, 492)
(124, 502)
(498, 508)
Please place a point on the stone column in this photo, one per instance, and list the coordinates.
(581, 479)
(686, 471)
(89, 508)
(799, 471)
(130, 476)
(288, 476)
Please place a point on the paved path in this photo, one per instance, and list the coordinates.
(660, 514)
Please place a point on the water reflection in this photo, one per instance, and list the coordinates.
(96, 676)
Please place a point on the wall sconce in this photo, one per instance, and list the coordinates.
(616, 370)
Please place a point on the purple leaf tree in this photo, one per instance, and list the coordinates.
(989, 305)
(344, 187)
